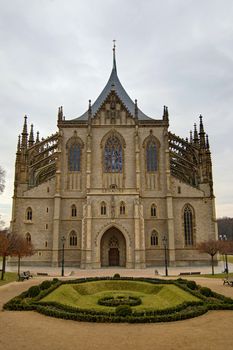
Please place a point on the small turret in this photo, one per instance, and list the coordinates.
(60, 114)
(195, 135)
(207, 143)
(89, 111)
(165, 113)
(191, 136)
(136, 110)
(24, 134)
(37, 137)
(31, 137)
(201, 133)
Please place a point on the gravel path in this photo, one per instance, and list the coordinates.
(30, 330)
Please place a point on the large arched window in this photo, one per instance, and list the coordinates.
(73, 239)
(73, 210)
(154, 240)
(74, 157)
(28, 238)
(122, 208)
(113, 162)
(151, 156)
(188, 225)
(29, 214)
(153, 210)
(103, 209)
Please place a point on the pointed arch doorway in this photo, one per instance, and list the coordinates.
(113, 248)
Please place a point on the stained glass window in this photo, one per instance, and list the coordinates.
(113, 155)
(75, 157)
(151, 156)
(188, 226)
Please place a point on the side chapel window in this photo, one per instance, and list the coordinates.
(188, 225)
(122, 208)
(28, 237)
(154, 241)
(151, 156)
(74, 157)
(103, 209)
(73, 210)
(29, 214)
(73, 239)
(153, 210)
(113, 162)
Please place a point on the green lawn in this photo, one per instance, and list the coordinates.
(229, 258)
(8, 277)
(86, 295)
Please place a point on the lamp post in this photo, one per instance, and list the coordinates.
(224, 238)
(165, 254)
(63, 255)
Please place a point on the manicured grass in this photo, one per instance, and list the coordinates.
(86, 295)
(8, 277)
(229, 258)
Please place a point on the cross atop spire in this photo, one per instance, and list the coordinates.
(114, 55)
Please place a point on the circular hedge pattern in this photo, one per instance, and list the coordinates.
(119, 300)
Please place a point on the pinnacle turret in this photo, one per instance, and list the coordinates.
(195, 135)
(201, 133)
(24, 134)
(37, 137)
(165, 113)
(31, 137)
(60, 114)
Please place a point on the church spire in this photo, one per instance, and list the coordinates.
(24, 134)
(31, 137)
(114, 68)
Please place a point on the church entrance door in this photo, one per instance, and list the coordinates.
(113, 248)
(113, 257)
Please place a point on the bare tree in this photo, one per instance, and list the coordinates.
(20, 248)
(210, 247)
(6, 246)
(2, 179)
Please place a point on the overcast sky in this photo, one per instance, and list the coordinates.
(177, 53)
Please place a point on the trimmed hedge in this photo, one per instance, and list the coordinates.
(209, 300)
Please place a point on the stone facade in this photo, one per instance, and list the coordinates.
(115, 206)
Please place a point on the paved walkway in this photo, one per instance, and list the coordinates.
(30, 330)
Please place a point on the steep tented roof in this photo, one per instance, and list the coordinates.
(114, 84)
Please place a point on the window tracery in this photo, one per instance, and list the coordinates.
(113, 162)
(151, 156)
(154, 240)
(188, 225)
(103, 208)
(74, 157)
(73, 239)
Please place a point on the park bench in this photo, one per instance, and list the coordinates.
(42, 274)
(25, 275)
(190, 273)
(228, 281)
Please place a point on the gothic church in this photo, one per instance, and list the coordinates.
(116, 186)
